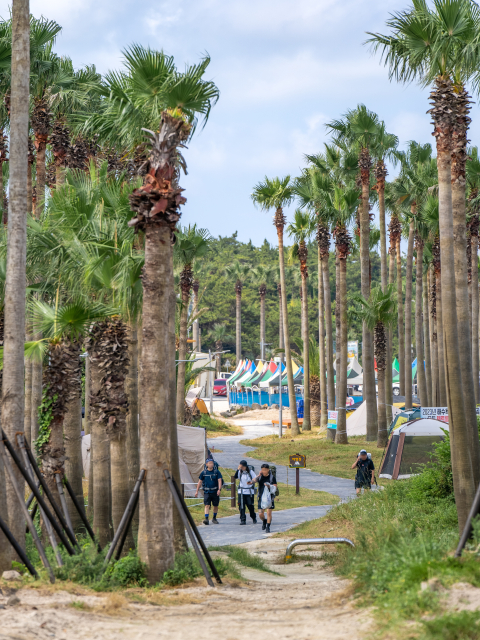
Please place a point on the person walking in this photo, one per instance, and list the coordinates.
(267, 487)
(365, 472)
(211, 479)
(246, 492)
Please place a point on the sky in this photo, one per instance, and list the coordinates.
(284, 69)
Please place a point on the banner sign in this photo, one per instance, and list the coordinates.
(439, 413)
(352, 348)
(332, 419)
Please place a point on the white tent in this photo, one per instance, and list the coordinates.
(410, 446)
(192, 453)
(357, 422)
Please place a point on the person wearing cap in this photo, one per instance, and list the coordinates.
(246, 492)
(365, 472)
(211, 479)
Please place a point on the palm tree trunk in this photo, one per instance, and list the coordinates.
(72, 435)
(401, 334)
(382, 410)
(329, 341)
(40, 182)
(262, 326)
(381, 173)
(338, 332)
(367, 348)
(389, 369)
(27, 418)
(37, 377)
(156, 533)
(280, 223)
(441, 344)
(432, 288)
(238, 330)
(182, 354)
(281, 337)
(408, 316)
(421, 378)
(195, 288)
(59, 175)
(321, 347)
(426, 340)
(29, 190)
(463, 474)
(131, 388)
(88, 430)
(119, 482)
(307, 425)
(342, 347)
(13, 400)
(475, 327)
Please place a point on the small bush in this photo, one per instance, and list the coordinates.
(453, 626)
(187, 568)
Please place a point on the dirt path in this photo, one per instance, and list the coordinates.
(306, 602)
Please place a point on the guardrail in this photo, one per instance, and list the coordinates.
(295, 543)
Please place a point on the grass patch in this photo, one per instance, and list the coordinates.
(453, 626)
(323, 455)
(286, 500)
(217, 428)
(245, 558)
(187, 568)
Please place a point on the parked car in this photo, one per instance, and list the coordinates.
(224, 375)
(220, 387)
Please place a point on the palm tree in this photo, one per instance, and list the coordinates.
(438, 45)
(473, 184)
(379, 313)
(191, 245)
(361, 128)
(262, 276)
(219, 334)
(13, 389)
(275, 194)
(239, 273)
(301, 229)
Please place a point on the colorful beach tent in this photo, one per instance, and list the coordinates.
(267, 371)
(410, 446)
(274, 379)
(357, 422)
(404, 416)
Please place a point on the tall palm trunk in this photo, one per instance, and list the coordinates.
(195, 287)
(281, 338)
(426, 339)
(131, 388)
(338, 331)
(389, 369)
(421, 377)
(440, 343)
(185, 286)
(279, 222)
(303, 253)
(31, 161)
(321, 345)
(380, 341)
(88, 430)
(13, 374)
(328, 334)
(463, 332)
(238, 328)
(365, 163)
(443, 110)
(27, 418)
(342, 241)
(380, 175)
(432, 288)
(401, 334)
(72, 435)
(41, 137)
(408, 314)
(475, 314)
(263, 293)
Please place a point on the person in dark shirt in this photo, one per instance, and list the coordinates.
(365, 472)
(211, 480)
(266, 482)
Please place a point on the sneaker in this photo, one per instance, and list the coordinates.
(264, 524)
(243, 522)
(254, 520)
(215, 521)
(268, 528)
(206, 522)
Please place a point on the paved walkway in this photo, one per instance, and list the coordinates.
(229, 531)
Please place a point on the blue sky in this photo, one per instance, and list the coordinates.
(284, 68)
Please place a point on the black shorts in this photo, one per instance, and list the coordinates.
(211, 499)
(272, 507)
(359, 484)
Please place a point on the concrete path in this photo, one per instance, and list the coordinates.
(229, 531)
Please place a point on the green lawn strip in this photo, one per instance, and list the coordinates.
(286, 500)
(245, 558)
(323, 456)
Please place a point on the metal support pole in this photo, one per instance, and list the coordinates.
(41, 502)
(128, 511)
(233, 492)
(211, 382)
(280, 401)
(81, 513)
(20, 552)
(178, 504)
(297, 481)
(127, 525)
(63, 502)
(21, 499)
(467, 530)
(295, 543)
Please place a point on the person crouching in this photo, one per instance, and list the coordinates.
(266, 482)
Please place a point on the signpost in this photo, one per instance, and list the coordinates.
(297, 462)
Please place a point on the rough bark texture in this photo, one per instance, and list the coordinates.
(72, 434)
(443, 114)
(421, 378)
(321, 345)
(41, 124)
(440, 343)
(195, 287)
(31, 161)
(426, 340)
(380, 344)
(263, 293)
(13, 400)
(401, 333)
(475, 325)
(27, 418)
(342, 242)
(365, 163)
(279, 222)
(238, 325)
(37, 378)
(88, 430)
(303, 255)
(408, 316)
(389, 369)
(338, 333)
(186, 279)
(281, 338)
(435, 393)
(328, 335)
(131, 388)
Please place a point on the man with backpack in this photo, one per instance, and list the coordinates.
(267, 490)
(365, 471)
(245, 474)
(211, 480)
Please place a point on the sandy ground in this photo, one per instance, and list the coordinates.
(259, 414)
(306, 602)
